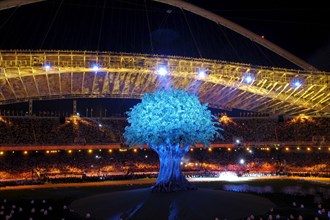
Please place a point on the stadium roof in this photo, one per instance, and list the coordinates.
(39, 75)
(254, 87)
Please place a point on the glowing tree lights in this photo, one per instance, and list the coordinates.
(170, 122)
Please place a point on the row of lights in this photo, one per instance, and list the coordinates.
(249, 79)
(95, 67)
(209, 149)
(162, 70)
(308, 148)
(90, 151)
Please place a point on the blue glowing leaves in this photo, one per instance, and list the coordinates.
(172, 116)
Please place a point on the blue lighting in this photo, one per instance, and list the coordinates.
(95, 68)
(162, 70)
(201, 74)
(297, 83)
(47, 66)
(248, 79)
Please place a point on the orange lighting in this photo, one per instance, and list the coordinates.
(25, 152)
(209, 149)
(229, 149)
(225, 120)
(308, 148)
(298, 148)
(1, 152)
(287, 149)
(110, 150)
(319, 148)
(90, 151)
(302, 119)
(69, 151)
(191, 149)
(5, 121)
(47, 152)
(135, 150)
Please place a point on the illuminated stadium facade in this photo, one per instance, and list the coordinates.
(35, 75)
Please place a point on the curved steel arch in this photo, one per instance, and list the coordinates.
(6, 4)
(23, 77)
(240, 30)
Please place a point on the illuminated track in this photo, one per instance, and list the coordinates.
(24, 76)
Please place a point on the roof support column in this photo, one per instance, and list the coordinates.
(30, 107)
(74, 107)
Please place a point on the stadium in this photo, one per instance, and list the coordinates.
(67, 81)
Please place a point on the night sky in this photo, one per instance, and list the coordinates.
(144, 26)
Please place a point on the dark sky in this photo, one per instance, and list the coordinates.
(301, 27)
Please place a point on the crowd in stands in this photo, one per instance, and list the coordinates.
(36, 209)
(296, 203)
(271, 129)
(33, 130)
(57, 165)
(105, 164)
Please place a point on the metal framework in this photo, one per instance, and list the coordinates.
(6, 4)
(24, 76)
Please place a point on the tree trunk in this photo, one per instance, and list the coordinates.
(170, 177)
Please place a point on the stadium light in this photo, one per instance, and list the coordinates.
(297, 83)
(162, 70)
(241, 161)
(95, 67)
(201, 74)
(47, 67)
(248, 79)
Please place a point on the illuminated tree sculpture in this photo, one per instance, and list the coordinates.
(170, 122)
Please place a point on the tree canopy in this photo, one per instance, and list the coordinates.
(170, 117)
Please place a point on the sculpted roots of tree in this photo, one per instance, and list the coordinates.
(170, 122)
